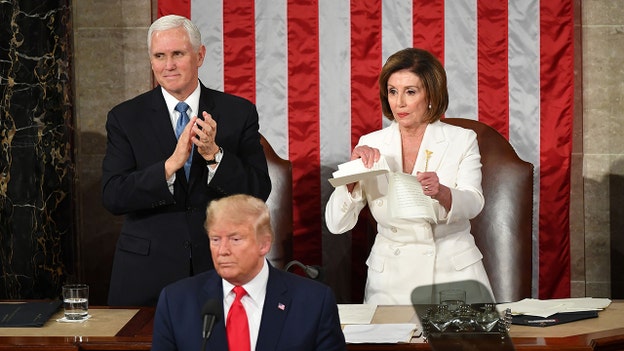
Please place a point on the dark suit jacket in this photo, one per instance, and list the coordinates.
(308, 321)
(162, 231)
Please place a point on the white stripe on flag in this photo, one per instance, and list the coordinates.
(460, 57)
(335, 86)
(208, 17)
(396, 32)
(524, 100)
(272, 73)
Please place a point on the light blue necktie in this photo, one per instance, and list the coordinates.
(182, 107)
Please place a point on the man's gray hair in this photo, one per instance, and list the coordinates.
(171, 22)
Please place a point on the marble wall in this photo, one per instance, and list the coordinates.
(36, 162)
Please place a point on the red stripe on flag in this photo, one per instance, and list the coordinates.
(428, 26)
(492, 66)
(304, 127)
(174, 7)
(556, 116)
(366, 115)
(239, 49)
(365, 65)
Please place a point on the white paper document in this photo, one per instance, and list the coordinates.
(407, 200)
(353, 171)
(379, 333)
(356, 313)
(546, 308)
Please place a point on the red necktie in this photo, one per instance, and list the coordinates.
(237, 327)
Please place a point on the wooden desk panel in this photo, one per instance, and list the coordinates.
(108, 329)
(604, 333)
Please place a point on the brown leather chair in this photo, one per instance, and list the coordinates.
(503, 229)
(280, 206)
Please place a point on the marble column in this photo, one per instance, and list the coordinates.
(36, 157)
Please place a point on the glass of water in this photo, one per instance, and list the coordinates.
(76, 301)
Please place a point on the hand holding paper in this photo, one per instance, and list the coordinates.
(353, 171)
(405, 195)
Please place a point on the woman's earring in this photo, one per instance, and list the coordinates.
(430, 106)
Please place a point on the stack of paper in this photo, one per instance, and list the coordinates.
(379, 333)
(356, 319)
(353, 171)
(546, 308)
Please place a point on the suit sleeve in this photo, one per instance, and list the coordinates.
(243, 168)
(330, 336)
(467, 195)
(127, 185)
(163, 336)
(343, 208)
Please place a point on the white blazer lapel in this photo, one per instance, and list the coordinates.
(392, 147)
(434, 142)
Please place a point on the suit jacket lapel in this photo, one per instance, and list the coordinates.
(160, 123)
(276, 308)
(160, 128)
(436, 142)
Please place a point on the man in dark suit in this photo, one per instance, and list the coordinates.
(144, 177)
(284, 311)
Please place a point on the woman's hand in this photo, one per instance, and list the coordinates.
(369, 155)
(431, 187)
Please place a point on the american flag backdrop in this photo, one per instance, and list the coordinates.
(312, 66)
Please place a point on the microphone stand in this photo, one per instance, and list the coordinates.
(312, 272)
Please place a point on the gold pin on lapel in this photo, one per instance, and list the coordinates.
(427, 157)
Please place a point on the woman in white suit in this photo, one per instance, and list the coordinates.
(412, 259)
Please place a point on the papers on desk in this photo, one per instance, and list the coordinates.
(547, 308)
(379, 333)
(356, 319)
(356, 313)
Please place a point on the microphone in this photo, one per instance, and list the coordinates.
(210, 313)
(313, 272)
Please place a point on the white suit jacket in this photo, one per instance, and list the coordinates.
(410, 254)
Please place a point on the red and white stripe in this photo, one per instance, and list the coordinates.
(312, 66)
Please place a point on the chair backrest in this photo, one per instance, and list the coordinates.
(280, 206)
(503, 229)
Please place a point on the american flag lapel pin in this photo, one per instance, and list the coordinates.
(281, 306)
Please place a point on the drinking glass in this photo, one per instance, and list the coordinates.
(76, 301)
